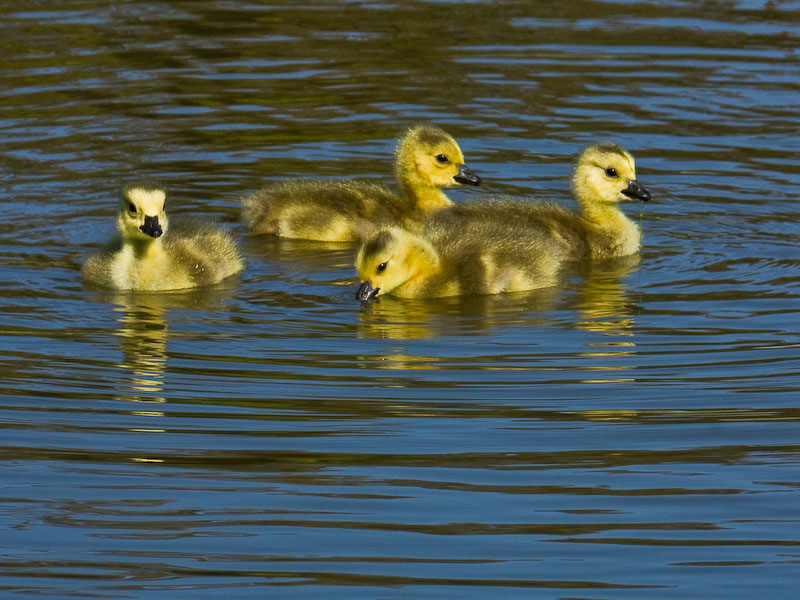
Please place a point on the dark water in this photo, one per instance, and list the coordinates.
(634, 433)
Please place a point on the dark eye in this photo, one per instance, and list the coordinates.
(611, 172)
(381, 267)
(442, 158)
(131, 208)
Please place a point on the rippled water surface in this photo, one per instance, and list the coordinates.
(634, 433)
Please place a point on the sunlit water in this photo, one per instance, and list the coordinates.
(631, 434)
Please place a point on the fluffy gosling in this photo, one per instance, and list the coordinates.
(426, 160)
(604, 175)
(480, 258)
(150, 253)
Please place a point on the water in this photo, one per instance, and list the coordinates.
(631, 434)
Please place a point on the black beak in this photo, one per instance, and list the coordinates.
(151, 227)
(636, 191)
(464, 175)
(366, 291)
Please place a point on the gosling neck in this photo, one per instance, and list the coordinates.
(601, 213)
(424, 199)
(413, 286)
(146, 248)
(618, 235)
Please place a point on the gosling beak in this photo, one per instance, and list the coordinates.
(464, 175)
(636, 191)
(151, 227)
(366, 291)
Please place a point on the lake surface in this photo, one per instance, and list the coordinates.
(634, 433)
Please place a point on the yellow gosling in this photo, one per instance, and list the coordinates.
(150, 253)
(604, 175)
(426, 160)
(445, 261)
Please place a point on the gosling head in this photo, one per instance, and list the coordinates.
(141, 214)
(428, 157)
(606, 174)
(390, 258)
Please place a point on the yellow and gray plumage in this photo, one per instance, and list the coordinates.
(154, 253)
(604, 175)
(478, 258)
(426, 160)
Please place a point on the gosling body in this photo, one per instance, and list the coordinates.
(604, 175)
(153, 253)
(479, 258)
(426, 160)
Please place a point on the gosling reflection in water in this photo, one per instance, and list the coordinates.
(144, 333)
(602, 298)
(605, 308)
(143, 336)
(400, 318)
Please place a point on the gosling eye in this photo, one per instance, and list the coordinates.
(381, 267)
(442, 158)
(611, 172)
(131, 208)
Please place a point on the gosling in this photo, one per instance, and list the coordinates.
(149, 253)
(426, 160)
(604, 175)
(480, 258)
